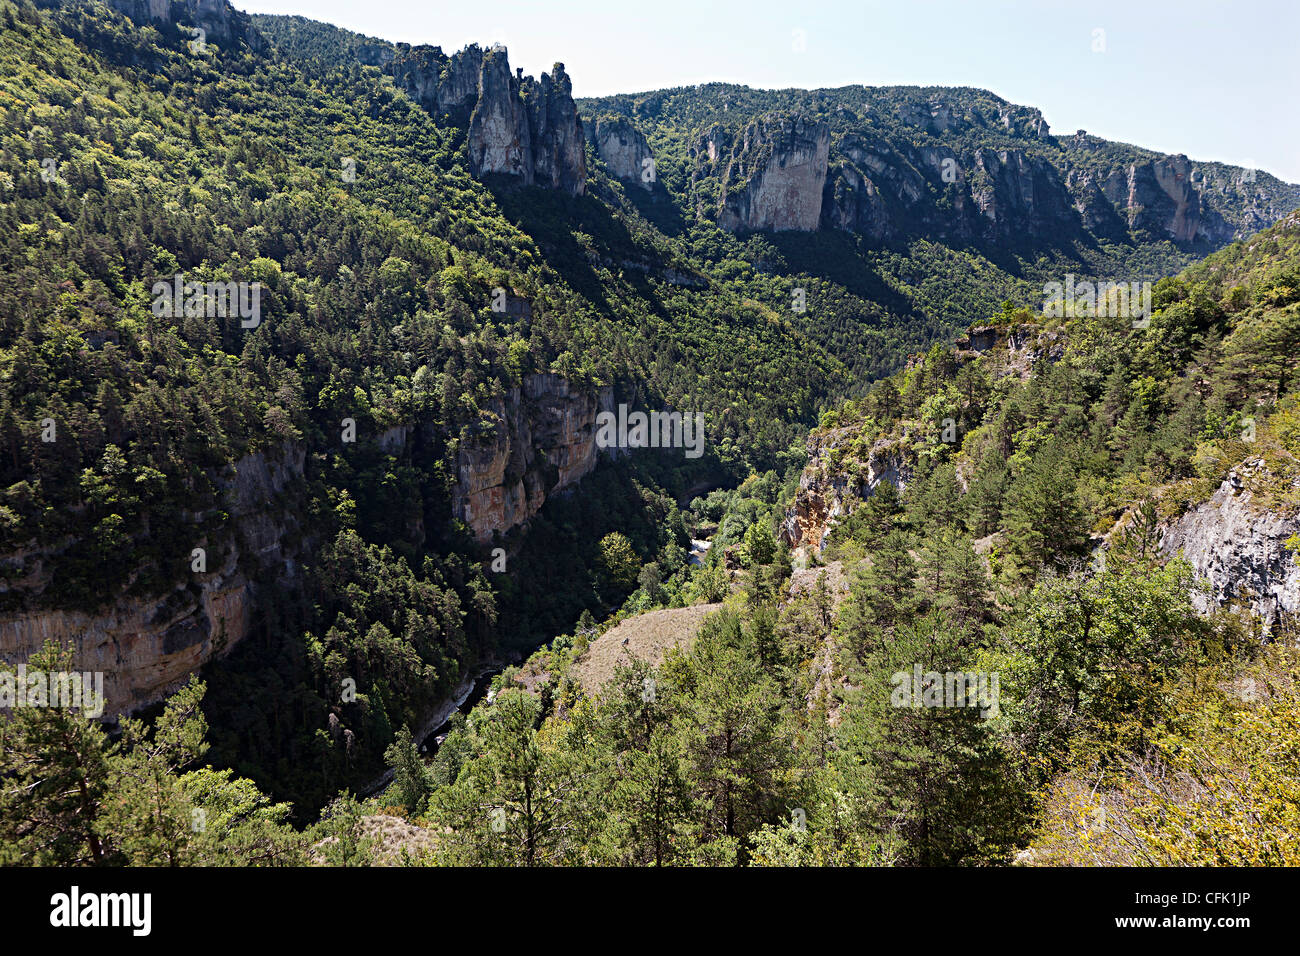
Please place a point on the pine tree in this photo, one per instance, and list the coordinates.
(411, 784)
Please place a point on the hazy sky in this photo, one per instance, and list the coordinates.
(1214, 80)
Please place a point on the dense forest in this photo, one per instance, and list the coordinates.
(1019, 537)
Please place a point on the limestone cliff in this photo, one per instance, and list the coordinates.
(1158, 198)
(542, 441)
(624, 149)
(559, 147)
(829, 488)
(1238, 546)
(1016, 193)
(500, 140)
(221, 23)
(776, 174)
(441, 84)
(147, 648)
(884, 190)
(516, 126)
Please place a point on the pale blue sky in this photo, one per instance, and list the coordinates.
(1214, 80)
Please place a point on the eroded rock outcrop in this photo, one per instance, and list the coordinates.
(542, 441)
(624, 149)
(441, 84)
(517, 126)
(147, 648)
(776, 175)
(1096, 211)
(828, 490)
(220, 22)
(500, 140)
(884, 190)
(559, 148)
(1017, 193)
(1238, 546)
(1158, 198)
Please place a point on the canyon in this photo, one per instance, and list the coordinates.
(535, 441)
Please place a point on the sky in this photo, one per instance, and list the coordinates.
(1213, 80)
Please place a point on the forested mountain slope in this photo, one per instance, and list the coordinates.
(300, 490)
(1036, 661)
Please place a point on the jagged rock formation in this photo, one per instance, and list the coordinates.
(220, 22)
(870, 187)
(828, 492)
(517, 127)
(1017, 193)
(624, 149)
(1013, 350)
(559, 147)
(441, 84)
(1158, 198)
(543, 442)
(146, 649)
(1238, 547)
(945, 164)
(1095, 210)
(883, 190)
(776, 174)
(500, 140)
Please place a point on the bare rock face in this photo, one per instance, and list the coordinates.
(884, 190)
(542, 442)
(872, 188)
(146, 649)
(220, 22)
(439, 83)
(559, 149)
(1158, 198)
(500, 140)
(1096, 212)
(1018, 193)
(624, 149)
(776, 175)
(1239, 547)
(828, 493)
(517, 127)
(854, 203)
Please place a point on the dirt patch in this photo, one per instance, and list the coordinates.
(646, 637)
(385, 838)
(804, 581)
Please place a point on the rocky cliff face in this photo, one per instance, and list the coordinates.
(828, 491)
(220, 22)
(1159, 199)
(944, 164)
(624, 149)
(517, 127)
(776, 174)
(1096, 212)
(441, 84)
(884, 190)
(1016, 193)
(146, 649)
(500, 140)
(559, 147)
(1239, 547)
(543, 441)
